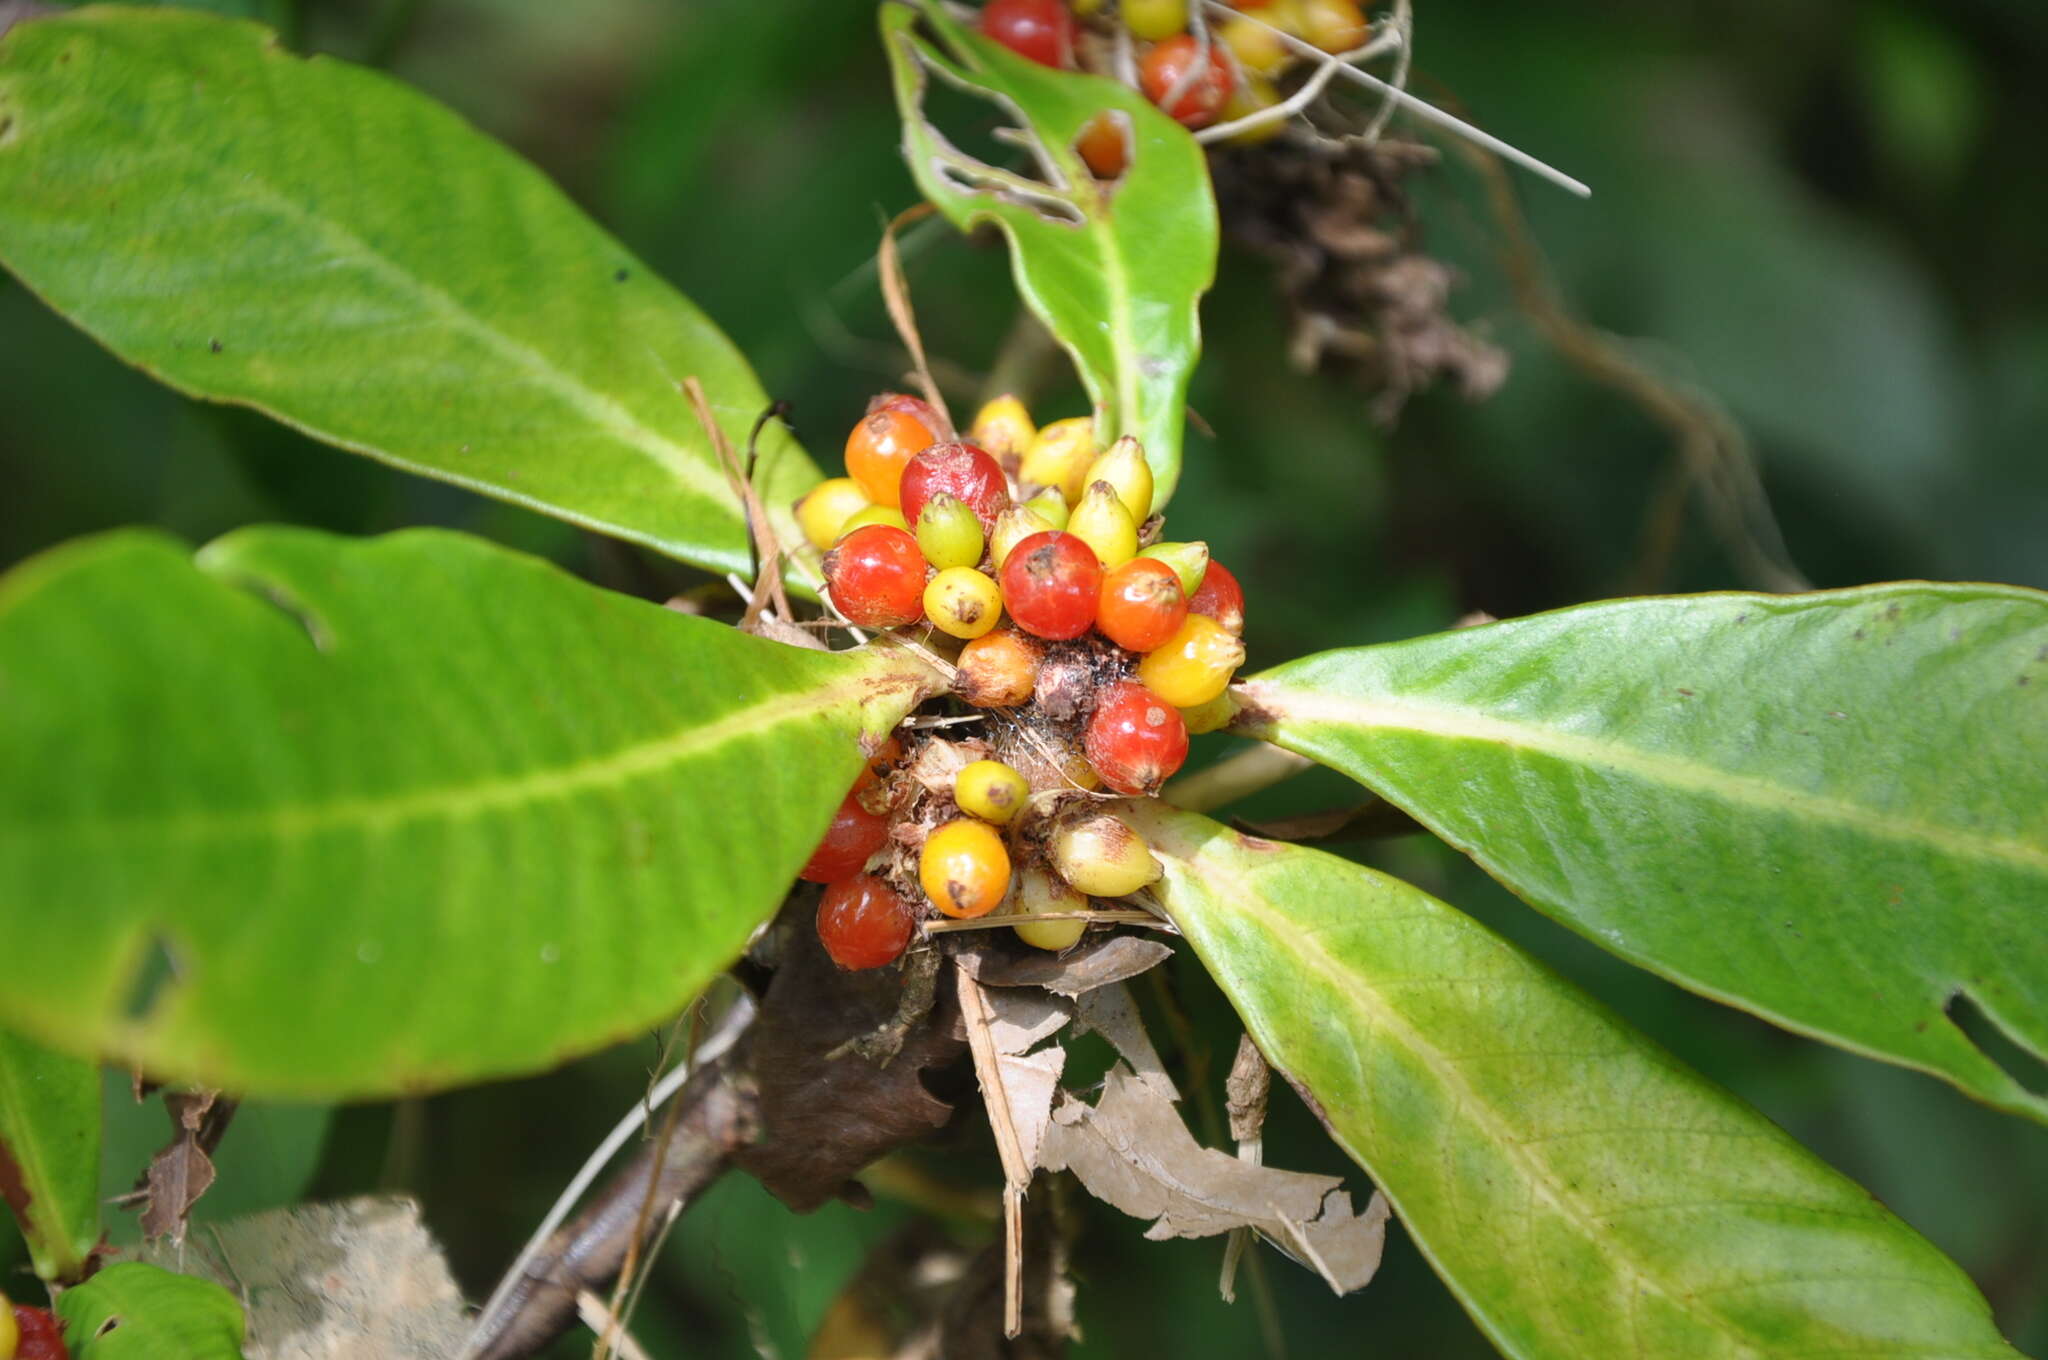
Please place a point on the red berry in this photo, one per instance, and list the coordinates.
(963, 472)
(42, 1336)
(1135, 740)
(1220, 597)
(876, 576)
(1206, 94)
(864, 923)
(1052, 585)
(1039, 29)
(854, 835)
(917, 408)
(1142, 604)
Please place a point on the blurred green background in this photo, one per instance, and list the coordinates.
(1824, 213)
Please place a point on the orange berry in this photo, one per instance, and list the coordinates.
(964, 868)
(880, 447)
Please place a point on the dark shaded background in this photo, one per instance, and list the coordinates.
(1826, 214)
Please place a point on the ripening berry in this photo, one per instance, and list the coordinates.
(864, 923)
(1188, 560)
(1052, 584)
(1152, 20)
(1333, 25)
(1255, 45)
(1037, 893)
(962, 471)
(1213, 716)
(1221, 598)
(1205, 95)
(10, 1331)
(874, 514)
(879, 448)
(1195, 664)
(1104, 144)
(948, 533)
(822, 514)
(1124, 467)
(1101, 856)
(1004, 428)
(31, 1333)
(876, 577)
(998, 670)
(990, 790)
(1013, 526)
(854, 836)
(1039, 29)
(1142, 605)
(1105, 525)
(1254, 94)
(1135, 739)
(1050, 506)
(962, 602)
(1060, 456)
(964, 868)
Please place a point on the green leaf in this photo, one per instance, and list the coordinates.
(310, 816)
(1581, 1191)
(328, 246)
(50, 1151)
(1829, 809)
(1115, 271)
(134, 1311)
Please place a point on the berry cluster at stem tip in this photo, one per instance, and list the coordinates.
(1085, 649)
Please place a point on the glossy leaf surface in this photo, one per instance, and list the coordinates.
(1829, 809)
(134, 1311)
(1582, 1192)
(326, 245)
(312, 816)
(1114, 270)
(50, 1152)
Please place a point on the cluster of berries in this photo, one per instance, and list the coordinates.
(1030, 560)
(1210, 76)
(30, 1333)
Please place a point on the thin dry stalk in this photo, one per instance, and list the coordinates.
(768, 574)
(896, 294)
(974, 1014)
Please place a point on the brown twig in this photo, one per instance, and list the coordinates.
(988, 1070)
(767, 548)
(896, 295)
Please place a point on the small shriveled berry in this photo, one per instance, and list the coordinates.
(1060, 456)
(1142, 605)
(1051, 506)
(962, 471)
(876, 577)
(1013, 526)
(1220, 597)
(1102, 856)
(962, 602)
(1004, 428)
(1038, 893)
(854, 836)
(822, 514)
(1135, 740)
(1039, 29)
(998, 670)
(1213, 716)
(1123, 466)
(1204, 95)
(948, 533)
(964, 868)
(864, 923)
(1104, 144)
(1188, 560)
(879, 448)
(990, 790)
(1103, 522)
(1052, 583)
(1195, 664)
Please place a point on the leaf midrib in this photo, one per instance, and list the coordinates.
(1293, 708)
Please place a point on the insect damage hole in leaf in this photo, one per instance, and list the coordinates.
(1055, 196)
(1996, 1042)
(154, 972)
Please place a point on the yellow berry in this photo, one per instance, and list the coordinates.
(1254, 93)
(10, 1331)
(1334, 25)
(1013, 526)
(1124, 467)
(963, 602)
(823, 513)
(1195, 665)
(1153, 20)
(1101, 856)
(1258, 48)
(1003, 428)
(1102, 522)
(1049, 505)
(990, 790)
(964, 868)
(1060, 456)
(874, 514)
(1038, 892)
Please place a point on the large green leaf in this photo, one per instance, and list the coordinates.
(134, 1311)
(1828, 809)
(328, 246)
(1113, 270)
(312, 816)
(1582, 1192)
(50, 1152)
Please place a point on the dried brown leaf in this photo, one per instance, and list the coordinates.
(183, 1170)
(1110, 1012)
(1094, 963)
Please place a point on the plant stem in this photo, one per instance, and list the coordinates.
(1239, 776)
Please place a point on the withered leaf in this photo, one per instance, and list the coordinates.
(1245, 1090)
(183, 1170)
(1110, 1012)
(1132, 1150)
(1018, 1020)
(1094, 963)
